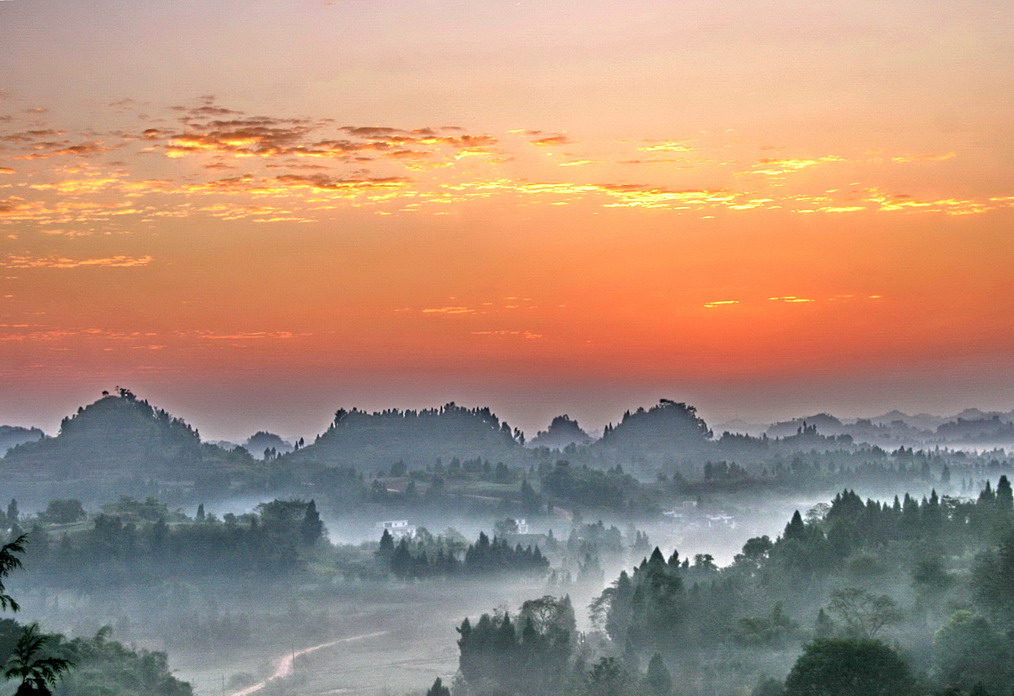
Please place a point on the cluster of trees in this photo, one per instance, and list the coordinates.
(136, 542)
(40, 662)
(611, 489)
(530, 655)
(911, 597)
(481, 558)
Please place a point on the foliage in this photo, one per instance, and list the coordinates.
(10, 561)
(36, 672)
(849, 667)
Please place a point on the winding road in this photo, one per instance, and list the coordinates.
(286, 665)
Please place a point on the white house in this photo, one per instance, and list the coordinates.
(399, 529)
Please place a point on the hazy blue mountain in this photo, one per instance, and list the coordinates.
(825, 423)
(415, 437)
(263, 440)
(13, 435)
(661, 434)
(562, 431)
(118, 435)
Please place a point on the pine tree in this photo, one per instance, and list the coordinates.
(311, 529)
(795, 529)
(438, 689)
(386, 544)
(1004, 496)
(658, 681)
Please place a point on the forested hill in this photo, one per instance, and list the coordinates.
(414, 437)
(12, 436)
(664, 432)
(562, 432)
(118, 434)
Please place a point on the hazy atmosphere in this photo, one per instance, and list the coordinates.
(506, 348)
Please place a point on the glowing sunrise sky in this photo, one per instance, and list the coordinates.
(254, 213)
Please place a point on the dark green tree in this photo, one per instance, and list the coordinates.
(8, 562)
(849, 667)
(658, 681)
(64, 511)
(968, 651)
(863, 613)
(311, 529)
(608, 678)
(35, 671)
(1004, 495)
(438, 689)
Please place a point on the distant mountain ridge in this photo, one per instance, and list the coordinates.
(358, 437)
(116, 434)
(14, 435)
(120, 436)
(562, 432)
(661, 433)
(970, 427)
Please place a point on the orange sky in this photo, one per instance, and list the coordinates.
(255, 213)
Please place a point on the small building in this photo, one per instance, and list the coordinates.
(398, 529)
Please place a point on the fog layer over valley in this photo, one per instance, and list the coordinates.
(400, 548)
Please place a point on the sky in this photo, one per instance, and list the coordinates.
(255, 213)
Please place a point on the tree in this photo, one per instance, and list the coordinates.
(548, 613)
(8, 562)
(864, 614)
(1004, 494)
(768, 686)
(658, 681)
(401, 560)
(311, 529)
(438, 689)
(991, 583)
(37, 673)
(849, 667)
(968, 651)
(608, 678)
(64, 511)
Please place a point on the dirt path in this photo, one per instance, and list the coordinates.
(287, 664)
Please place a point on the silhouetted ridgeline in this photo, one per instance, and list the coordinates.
(122, 442)
(563, 432)
(667, 432)
(12, 435)
(450, 456)
(414, 437)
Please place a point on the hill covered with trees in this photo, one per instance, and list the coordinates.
(122, 441)
(414, 437)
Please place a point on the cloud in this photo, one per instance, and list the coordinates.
(665, 146)
(15, 261)
(552, 141)
(325, 183)
(720, 303)
(904, 159)
(792, 299)
(449, 310)
(59, 232)
(248, 335)
(780, 167)
(527, 335)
